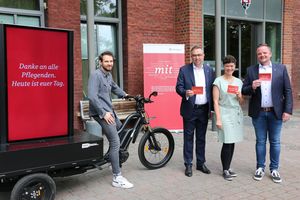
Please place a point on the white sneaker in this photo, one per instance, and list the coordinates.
(121, 182)
(276, 176)
(259, 174)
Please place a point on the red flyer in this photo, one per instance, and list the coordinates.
(197, 90)
(232, 89)
(265, 76)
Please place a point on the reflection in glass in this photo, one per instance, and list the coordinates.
(105, 38)
(102, 8)
(6, 19)
(239, 37)
(28, 21)
(273, 39)
(84, 53)
(21, 4)
(274, 10)
(209, 38)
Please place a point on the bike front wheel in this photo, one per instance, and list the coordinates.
(156, 148)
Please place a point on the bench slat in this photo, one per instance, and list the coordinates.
(122, 107)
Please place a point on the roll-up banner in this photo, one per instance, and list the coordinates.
(161, 67)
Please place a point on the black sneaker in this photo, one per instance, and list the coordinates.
(227, 176)
(232, 173)
(259, 174)
(276, 176)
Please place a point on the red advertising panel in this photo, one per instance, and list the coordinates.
(161, 67)
(37, 83)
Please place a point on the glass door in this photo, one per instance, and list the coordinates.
(242, 39)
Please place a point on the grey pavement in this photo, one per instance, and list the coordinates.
(170, 182)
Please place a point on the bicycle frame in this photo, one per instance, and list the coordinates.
(131, 134)
(140, 120)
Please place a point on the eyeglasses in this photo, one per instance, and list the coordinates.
(197, 55)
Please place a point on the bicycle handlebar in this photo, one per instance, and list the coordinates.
(140, 98)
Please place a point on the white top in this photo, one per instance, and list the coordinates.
(200, 81)
(266, 89)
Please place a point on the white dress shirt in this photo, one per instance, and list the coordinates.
(200, 82)
(266, 87)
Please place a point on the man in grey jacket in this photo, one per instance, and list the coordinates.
(100, 87)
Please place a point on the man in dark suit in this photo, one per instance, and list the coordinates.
(271, 103)
(194, 85)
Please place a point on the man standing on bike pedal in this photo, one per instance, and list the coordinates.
(100, 87)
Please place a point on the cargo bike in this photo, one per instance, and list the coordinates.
(37, 140)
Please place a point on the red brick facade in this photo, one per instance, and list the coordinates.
(169, 21)
(296, 52)
(144, 22)
(188, 24)
(289, 45)
(65, 14)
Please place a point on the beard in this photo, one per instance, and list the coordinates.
(107, 69)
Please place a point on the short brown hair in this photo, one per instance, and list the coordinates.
(229, 59)
(105, 53)
(196, 47)
(264, 45)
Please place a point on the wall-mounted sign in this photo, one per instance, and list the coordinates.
(246, 4)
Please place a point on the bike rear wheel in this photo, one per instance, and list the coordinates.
(156, 148)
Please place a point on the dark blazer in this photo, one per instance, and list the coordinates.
(281, 91)
(185, 81)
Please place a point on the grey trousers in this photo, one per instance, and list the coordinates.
(110, 130)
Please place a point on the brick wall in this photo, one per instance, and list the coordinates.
(287, 38)
(188, 24)
(169, 21)
(65, 14)
(144, 22)
(295, 50)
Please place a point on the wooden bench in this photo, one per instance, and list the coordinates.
(122, 107)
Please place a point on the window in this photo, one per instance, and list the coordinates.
(6, 19)
(21, 4)
(107, 36)
(241, 33)
(273, 10)
(273, 39)
(102, 8)
(209, 37)
(22, 12)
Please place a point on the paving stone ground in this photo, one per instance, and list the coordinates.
(170, 182)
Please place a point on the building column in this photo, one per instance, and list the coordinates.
(188, 24)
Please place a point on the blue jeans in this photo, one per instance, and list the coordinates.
(267, 125)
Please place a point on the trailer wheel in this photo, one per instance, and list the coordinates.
(37, 186)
